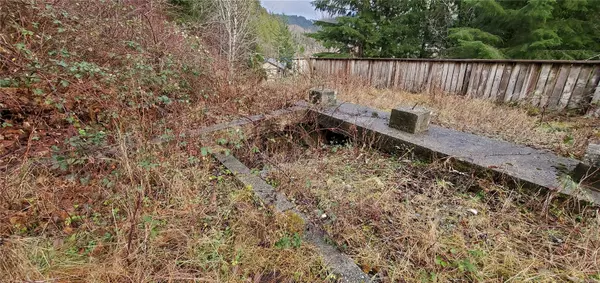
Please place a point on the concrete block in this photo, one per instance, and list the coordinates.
(588, 170)
(410, 119)
(592, 155)
(322, 96)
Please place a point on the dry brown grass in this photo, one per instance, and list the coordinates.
(408, 221)
(163, 213)
(565, 135)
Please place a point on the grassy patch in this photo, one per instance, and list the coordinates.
(409, 220)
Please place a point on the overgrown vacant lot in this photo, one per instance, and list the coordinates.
(88, 195)
(563, 134)
(403, 219)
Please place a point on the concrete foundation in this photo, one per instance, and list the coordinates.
(530, 167)
(322, 97)
(592, 155)
(587, 171)
(412, 120)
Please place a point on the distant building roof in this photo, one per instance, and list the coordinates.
(275, 63)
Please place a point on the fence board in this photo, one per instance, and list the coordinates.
(454, 77)
(444, 75)
(512, 83)
(569, 87)
(450, 79)
(441, 76)
(592, 92)
(549, 86)
(508, 69)
(418, 77)
(430, 73)
(412, 76)
(528, 86)
(409, 76)
(380, 73)
(490, 81)
(497, 80)
(391, 69)
(452, 74)
(460, 75)
(430, 76)
(401, 73)
(373, 73)
(437, 81)
(578, 92)
(479, 80)
(464, 69)
(455, 74)
(466, 76)
(473, 79)
(561, 80)
(423, 79)
(596, 97)
(592, 88)
(426, 75)
(364, 68)
(485, 70)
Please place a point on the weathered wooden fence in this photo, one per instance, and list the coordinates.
(542, 83)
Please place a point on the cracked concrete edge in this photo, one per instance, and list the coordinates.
(340, 264)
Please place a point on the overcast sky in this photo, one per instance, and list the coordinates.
(292, 7)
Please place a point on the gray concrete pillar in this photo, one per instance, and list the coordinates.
(410, 119)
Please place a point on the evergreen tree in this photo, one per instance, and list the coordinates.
(274, 38)
(285, 50)
(411, 28)
(528, 29)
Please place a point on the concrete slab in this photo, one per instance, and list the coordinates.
(340, 264)
(539, 168)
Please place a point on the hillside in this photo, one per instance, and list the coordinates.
(300, 21)
(299, 26)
